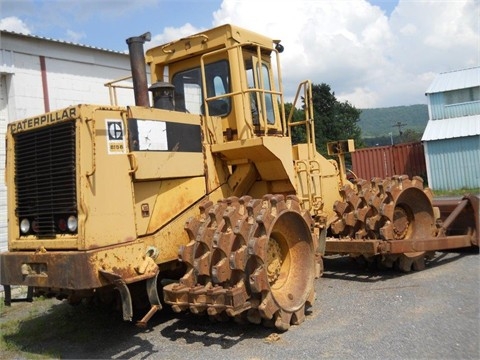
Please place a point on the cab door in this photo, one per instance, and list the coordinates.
(263, 99)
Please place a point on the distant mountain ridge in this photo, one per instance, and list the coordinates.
(382, 121)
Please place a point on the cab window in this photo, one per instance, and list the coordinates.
(254, 79)
(188, 89)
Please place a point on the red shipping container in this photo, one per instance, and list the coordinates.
(385, 161)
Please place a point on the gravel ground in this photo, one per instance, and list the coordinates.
(358, 314)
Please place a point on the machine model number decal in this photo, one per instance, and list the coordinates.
(115, 137)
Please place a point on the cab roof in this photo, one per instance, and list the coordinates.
(206, 41)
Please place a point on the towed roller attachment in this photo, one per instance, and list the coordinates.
(396, 222)
(460, 217)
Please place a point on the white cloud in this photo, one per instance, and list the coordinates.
(74, 36)
(366, 57)
(359, 95)
(12, 23)
(171, 33)
(409, 30)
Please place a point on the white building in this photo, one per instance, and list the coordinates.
(38, 75)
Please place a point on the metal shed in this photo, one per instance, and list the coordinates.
(452, 136)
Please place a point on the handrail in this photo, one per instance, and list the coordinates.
(246, 91)
(133, 163)
(306, 85)
(112, 88)
(92, 134)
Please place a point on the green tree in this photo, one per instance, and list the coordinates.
(410, 135)
(334, 120)
(297, 132)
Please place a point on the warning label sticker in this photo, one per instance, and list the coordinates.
(115, 137)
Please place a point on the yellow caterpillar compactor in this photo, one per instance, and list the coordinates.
(109, 202)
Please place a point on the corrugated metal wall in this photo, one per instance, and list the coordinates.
(439, 110)
(454, 163)
(385, 161)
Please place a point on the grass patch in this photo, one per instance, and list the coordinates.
(460, 192)
(50, 329)
(11, 322)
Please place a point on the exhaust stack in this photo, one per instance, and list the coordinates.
(139, 68)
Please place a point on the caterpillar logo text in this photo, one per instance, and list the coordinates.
(42, 120)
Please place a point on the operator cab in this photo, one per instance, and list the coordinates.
(225, 75)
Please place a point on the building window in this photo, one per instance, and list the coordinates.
(462, 95)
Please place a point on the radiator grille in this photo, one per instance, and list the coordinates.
(45, 177)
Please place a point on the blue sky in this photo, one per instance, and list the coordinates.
(372, 53)
(106, 23)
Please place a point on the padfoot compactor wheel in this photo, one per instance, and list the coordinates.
(396, 208)
(250, 259)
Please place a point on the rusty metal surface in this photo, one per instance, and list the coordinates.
(392, 208)
(458, 228)
(352, 246)
(153, 298)
(400, 213)
(250, 259)
(68, 270)
(460, 216)
(139, 70)
(385, 161)
(374, 247)
(434, 243)
(74, 270)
